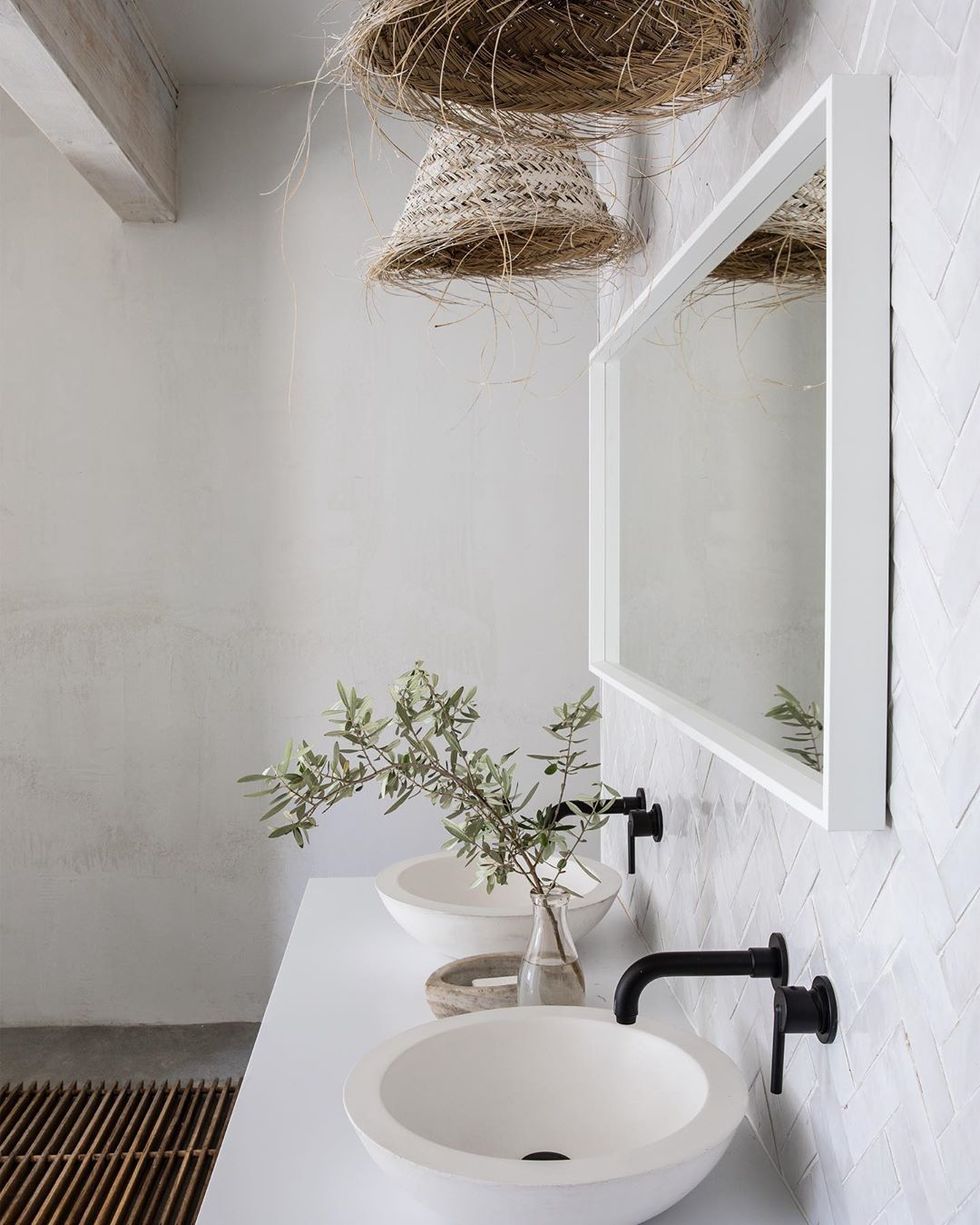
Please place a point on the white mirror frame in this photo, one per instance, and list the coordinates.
(845, 128)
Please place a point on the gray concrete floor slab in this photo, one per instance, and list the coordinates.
(125, 1052)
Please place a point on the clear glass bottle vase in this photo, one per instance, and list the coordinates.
(550, 972)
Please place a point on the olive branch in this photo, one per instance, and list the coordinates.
(422, 749)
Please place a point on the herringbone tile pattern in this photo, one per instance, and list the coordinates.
(883, 1126)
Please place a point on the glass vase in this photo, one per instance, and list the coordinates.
(550, 972)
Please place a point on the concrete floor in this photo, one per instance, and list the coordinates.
(125, 1052)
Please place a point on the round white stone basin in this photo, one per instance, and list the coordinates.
(433, 899)
(641, 1112)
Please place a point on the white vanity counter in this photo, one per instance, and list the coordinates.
(350, 978)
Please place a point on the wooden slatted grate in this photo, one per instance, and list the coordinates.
(109, 1154)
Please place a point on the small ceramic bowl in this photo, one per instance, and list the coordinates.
(433, 899)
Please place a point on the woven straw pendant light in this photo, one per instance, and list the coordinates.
(515, 66)
(486, 209)
(789, 250)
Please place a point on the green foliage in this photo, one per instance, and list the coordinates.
(422, 748)
(806, 740)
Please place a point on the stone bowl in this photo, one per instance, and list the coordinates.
(456, 988)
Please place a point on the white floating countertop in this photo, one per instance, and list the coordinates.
(350, 978)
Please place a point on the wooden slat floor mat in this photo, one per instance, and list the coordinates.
(109, 1154)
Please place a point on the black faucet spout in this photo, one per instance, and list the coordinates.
(770, 962)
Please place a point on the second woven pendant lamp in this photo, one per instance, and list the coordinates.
(789, 249)
(517, 66)
(489, 210)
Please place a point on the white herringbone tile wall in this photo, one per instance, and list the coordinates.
(883, 1126)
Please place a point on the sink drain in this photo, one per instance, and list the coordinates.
(545, 1155)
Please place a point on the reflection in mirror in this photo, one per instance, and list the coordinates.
(722, 483)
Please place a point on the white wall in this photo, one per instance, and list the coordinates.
(881, 1126)
(189, 563)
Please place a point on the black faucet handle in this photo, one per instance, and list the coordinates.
(800, 1010)
(643, 823)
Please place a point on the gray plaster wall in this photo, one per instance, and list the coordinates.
(191, 558)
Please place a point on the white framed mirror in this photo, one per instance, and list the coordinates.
(739, 471)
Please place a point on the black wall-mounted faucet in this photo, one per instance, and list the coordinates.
(643, 822)
(795, 1010)
(771, 962)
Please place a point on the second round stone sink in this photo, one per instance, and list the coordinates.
(546, 1116)
(432, 897)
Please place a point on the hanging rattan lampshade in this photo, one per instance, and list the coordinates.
(486, 209)
(790, 248)
(517, 65)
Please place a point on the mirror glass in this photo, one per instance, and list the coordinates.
(722, 479)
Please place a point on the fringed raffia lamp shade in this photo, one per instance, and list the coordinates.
(790, 248)
(485, 209)
(514, 66)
